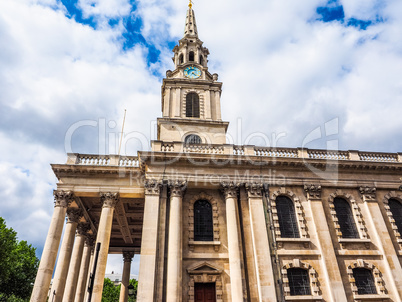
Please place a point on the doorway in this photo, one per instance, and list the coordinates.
(204, 292)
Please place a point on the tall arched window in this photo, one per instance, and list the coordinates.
(181, 59)
(203, 225)
(364, 281)
(191, 56)
(192, 105)
(345, 217)
(192, 139)
(299, 282)
(396, 209)
(287, 217)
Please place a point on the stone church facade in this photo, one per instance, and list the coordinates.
(219, 222)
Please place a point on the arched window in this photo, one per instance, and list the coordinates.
(192, 139)
(396, 209)
(287, 217)
(203, 225)
(192, 105)
(201, 60)
(181, 59)
(191, 56)
(299, 282)
(345, 217)
(364, 281)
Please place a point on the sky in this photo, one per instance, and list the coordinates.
(69, 69)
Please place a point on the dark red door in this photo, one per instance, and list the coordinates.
(204, 292)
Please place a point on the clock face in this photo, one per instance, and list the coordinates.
(192, 72)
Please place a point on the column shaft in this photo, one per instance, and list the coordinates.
(149, 240)
(76, 258)
(49, 254)
(91, 263)
(63, 262)
(264, 271)
(125, 280)
(104, 230)
(234, 251)
(83, 275)
(174, 261)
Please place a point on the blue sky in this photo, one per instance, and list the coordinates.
(288, 67)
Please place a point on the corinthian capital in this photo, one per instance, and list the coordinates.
(368, 193)
(152, 187)
(128, 256)
(254, 189)
(83, 228)
(313, 191)
(74, 215)
(109, 200)
(62, 198)
(177, 187)
(230, 189)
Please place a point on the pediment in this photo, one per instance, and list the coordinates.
(204, 268)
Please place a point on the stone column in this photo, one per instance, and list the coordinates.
(149, 240)
(76, 258)
(49, 254)
(383, 240)
(230, 190)
(63, 262)
(175, 244)
(328, 258)
(125, 279)
(264, 272)
(83, 275)
(109, 201)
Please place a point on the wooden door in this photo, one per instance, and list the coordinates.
(204, 292)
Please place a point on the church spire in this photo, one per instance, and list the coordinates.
(190, 29)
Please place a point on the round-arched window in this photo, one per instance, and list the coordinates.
(192, 105)
(192, 139)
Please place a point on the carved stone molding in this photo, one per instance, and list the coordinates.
(230, 189)
(128, 256)
(215, 218)
(355, 210)
(74, 215)
(360, 263)
(298, 210)
(109, 199)
(152, 187)
(368, 193)
(83, 228)
(177, 188)
(297, 263)
(313, 192)
(90, 240)
(254, 189)
(62, 198)
(398, 197)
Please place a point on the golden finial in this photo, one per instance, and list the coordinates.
(190, 5)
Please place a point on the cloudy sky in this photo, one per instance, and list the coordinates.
(69, 68)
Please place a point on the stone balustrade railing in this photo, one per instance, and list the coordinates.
(235, 150)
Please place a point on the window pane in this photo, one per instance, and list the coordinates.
(345, 218)
(299, 282)
(192, 105)
(287, 217)
(203, 224)
(396, 209)
(192, 139)
(364, 281)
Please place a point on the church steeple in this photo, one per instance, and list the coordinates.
(191, 94)
(190, 30)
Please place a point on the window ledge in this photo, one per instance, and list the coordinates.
(293, 239)
(370, 297)
(215, 244)
(303, 298)
(353, 240)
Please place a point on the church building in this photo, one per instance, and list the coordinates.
(215, 222)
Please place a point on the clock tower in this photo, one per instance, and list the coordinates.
(191, 107)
